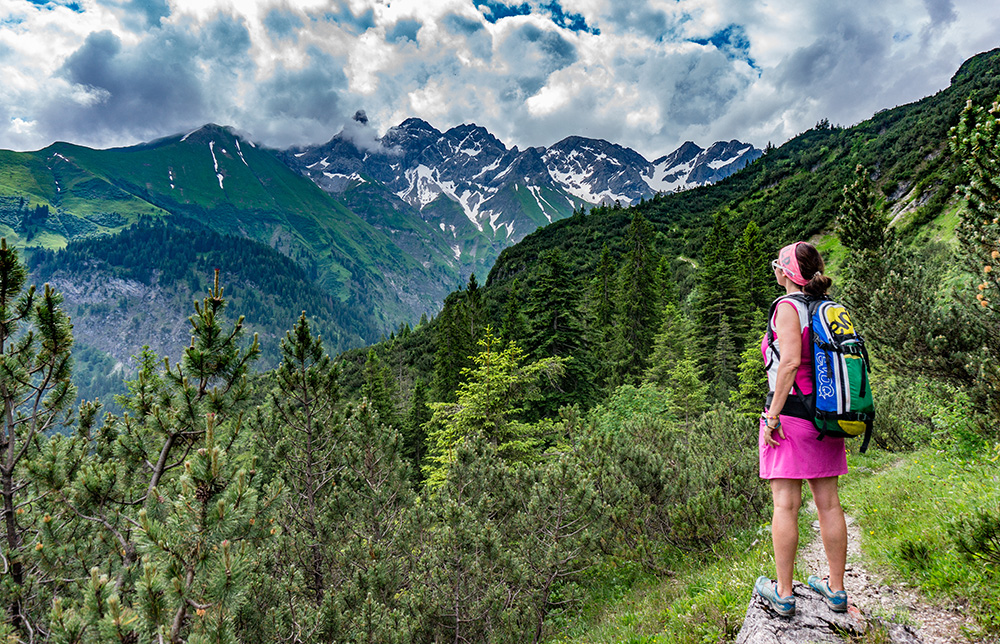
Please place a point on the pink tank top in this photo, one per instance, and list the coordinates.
(803, 377)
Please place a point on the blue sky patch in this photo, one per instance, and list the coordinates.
(732, 41)
(571, 21)
(494, 11)
(50, 4)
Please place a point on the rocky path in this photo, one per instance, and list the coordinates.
(936, 624)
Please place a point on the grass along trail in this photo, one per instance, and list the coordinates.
(936, 624)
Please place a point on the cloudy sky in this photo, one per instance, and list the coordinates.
(648, 74)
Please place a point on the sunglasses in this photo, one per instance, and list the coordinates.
(775, 264)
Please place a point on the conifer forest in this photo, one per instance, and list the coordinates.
(591, 404)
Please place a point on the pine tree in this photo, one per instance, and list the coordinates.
(303, 434)
(864, 229)
(371, 517)
(975, 142)
(35, 387)
(166, 483)
(200, 542)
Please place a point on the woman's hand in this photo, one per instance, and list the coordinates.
(769, 430)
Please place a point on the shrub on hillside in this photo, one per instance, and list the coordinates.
(671, 488)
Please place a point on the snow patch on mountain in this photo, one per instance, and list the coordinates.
(215, 162)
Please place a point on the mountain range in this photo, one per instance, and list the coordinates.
(384, 226)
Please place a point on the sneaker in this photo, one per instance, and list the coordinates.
(837, 601)
(768, 590)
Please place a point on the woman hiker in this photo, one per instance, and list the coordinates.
(788, 445)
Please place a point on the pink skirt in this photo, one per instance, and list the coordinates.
(800, 455)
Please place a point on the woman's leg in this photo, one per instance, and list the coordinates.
(787, 495)
(832, 527)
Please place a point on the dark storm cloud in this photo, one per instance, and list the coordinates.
(849, 54)
(141, 14)
(941, 12)
(533, 54)
(153, 87)
(281, 23)
(403, 29)
(461, 25)
(148, 85)
(703, 90)
(296, 105)
(539, 49)
(351, 22)
(225, 40)
(640, 17)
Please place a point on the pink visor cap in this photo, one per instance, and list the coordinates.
(790, 265)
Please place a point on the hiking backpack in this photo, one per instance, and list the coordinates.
(841, 404)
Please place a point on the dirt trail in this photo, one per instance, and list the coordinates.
(937, 624)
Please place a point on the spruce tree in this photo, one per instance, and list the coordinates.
(453, 346)
(380, 389)
(557, 330)
(754, 277)
(514, 322)
(716, 302)
(637, 313)
(673, 343)
(601, 314)
(415, 436)
(490, 400)
(688, 392)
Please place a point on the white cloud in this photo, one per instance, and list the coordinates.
(659, 72)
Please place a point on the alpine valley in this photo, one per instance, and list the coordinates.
(364, 232)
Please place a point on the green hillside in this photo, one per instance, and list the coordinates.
(226, 184)
(794, 190)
